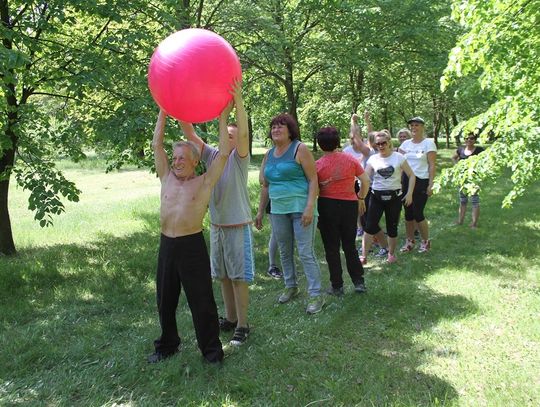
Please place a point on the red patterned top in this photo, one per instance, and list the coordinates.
(336, 172)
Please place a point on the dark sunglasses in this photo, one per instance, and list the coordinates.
(381, 143)
(470, 138)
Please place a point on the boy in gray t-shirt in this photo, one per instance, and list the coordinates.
(231, 242)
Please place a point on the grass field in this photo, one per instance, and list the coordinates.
(457, 326)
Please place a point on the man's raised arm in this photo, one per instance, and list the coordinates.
(216, 168)
(191, 135)
(160, 156)
(242, 144)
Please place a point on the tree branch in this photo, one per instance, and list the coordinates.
(19, 15)
(212, 14)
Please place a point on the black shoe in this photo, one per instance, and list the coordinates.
(225, 325)
(338, 292)
(240, 336)
(159, 356)
(275, 272)
(360, 288)
(216, 364)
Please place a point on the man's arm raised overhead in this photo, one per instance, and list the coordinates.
(191, 135)
(216, 168)
(242, 144)
(160, 156)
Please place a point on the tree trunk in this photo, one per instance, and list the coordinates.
(291, 97)
(455, 122)
(7, 159)
(292, 100)
(447, 129)
(385, 116)
(250, 133)
(356, 82)
(436, 129)
(7, 245)
(436, 120)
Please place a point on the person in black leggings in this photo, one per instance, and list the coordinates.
(421, 154)
(386, 168)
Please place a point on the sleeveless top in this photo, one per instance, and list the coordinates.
(288, 186)
(461, 152)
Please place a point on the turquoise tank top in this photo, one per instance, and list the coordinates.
(288, 186)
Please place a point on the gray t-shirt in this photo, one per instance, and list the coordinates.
(229, 202)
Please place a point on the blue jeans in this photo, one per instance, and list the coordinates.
(287, 229)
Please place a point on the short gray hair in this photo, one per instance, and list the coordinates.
(194, 150)
(404, 130)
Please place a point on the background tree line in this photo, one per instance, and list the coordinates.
(73, 76)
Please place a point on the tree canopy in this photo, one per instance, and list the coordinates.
(501, 46)
(73, 78)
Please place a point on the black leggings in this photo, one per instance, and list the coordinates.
(415, 211)
(337, 224)
(184, 262)
(363, 218)
(391, 209)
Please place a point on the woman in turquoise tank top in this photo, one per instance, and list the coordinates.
(288, 178)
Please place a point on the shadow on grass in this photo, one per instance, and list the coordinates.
(78, 320)
(503, 244)
(361, 349)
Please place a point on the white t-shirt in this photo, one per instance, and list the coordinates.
(350, 150)
(372, 151)
(386, 171)
(416, 155)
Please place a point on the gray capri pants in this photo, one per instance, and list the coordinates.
(464, 198)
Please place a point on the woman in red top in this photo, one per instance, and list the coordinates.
(339, 206)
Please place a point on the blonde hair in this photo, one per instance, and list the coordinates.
(386, 134)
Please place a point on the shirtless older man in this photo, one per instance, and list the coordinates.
(183, 259)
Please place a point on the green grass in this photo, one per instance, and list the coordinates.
(458, 326)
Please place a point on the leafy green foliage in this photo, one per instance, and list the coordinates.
(502, 46)
(68, 70)
(73, 74)
(46, 184)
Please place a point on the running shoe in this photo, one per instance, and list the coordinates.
(425, 246)
(408, 246)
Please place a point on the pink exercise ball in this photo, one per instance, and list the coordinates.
(191, 73)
